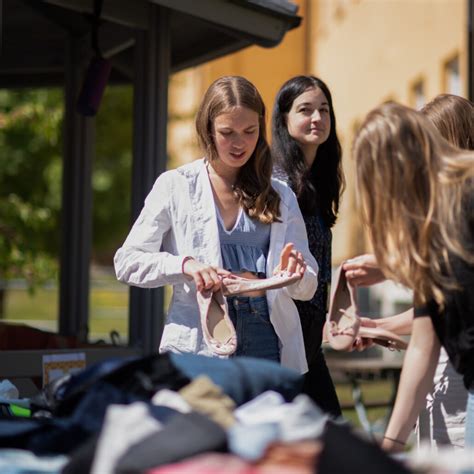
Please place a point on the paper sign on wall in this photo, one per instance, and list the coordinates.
(56, 365)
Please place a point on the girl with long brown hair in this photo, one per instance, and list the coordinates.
(442, 422)
(224, 215)
(416, 192)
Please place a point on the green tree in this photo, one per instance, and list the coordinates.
(112, 172)
(30, 167)
(30, 181)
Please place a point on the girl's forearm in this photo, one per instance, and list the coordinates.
(399, 324)
(416, 380)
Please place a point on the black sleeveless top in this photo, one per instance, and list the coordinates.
(454, 325)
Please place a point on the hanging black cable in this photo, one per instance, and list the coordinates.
(1, 27)
(97, 73)
(98, 4)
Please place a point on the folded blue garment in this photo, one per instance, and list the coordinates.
(241, 378)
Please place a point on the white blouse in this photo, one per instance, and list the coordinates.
(179, 220)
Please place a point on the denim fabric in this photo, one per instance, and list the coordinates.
(242, 378)
(256, 336)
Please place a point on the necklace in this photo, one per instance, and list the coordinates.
(214, 175)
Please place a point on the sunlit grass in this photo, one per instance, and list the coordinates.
(373, 390)
(108, 309)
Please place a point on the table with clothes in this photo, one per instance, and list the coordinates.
(183, 413)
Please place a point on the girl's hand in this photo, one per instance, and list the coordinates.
(291, 261)
(206, 277)
(363, 270)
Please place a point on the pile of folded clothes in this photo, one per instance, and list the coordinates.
(170, 414)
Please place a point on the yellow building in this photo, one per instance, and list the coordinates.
(370, 51)
(367, 51)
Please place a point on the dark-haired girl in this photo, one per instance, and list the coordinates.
(307, 155)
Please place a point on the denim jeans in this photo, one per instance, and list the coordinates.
(256, 336)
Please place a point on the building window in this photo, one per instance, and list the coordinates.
(418, 95)
(452, 77)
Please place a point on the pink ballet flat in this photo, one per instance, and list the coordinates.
(235, 285)
(217, 328)
(343, 322)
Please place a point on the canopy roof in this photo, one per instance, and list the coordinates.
(34, 33)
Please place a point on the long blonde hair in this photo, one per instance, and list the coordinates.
(413, 187)
(253, 187)
(453, 117)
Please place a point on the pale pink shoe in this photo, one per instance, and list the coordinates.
(236, 285)
(343, 322)
(217, 328)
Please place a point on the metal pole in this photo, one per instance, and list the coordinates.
(76, 221)
(1, 27)
(152, 69)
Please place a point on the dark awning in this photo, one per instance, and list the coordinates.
(34, 33)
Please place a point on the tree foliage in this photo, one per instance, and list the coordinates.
(112, 172)
(30, 180)
(30, 167)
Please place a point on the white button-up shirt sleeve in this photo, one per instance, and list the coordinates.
(141, 260)
(296, 233)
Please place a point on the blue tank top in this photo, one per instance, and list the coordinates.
(245, 247)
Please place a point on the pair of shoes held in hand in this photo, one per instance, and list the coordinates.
(218, 330)
(342, 326)
(343, 323)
